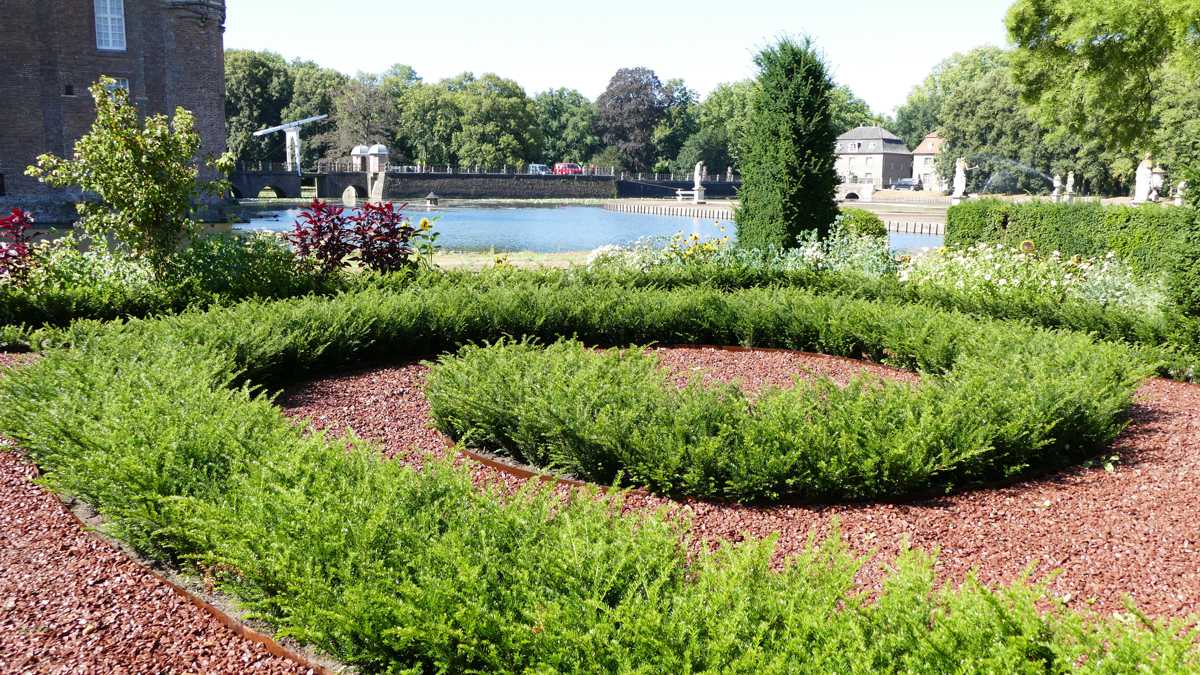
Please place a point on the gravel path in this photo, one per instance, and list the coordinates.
(1133, 531)
(71, 602)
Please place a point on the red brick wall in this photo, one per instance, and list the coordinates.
(174, 56)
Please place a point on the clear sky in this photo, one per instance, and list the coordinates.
(880, 48)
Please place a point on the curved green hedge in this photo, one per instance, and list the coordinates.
(1004, 406)
(158, 425)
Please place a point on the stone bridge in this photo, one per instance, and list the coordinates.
(285, 184)
(409, 186)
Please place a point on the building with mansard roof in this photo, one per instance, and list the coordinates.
(872, 155)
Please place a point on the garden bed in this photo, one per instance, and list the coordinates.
(168, 428)
(70, 600)
(1125, 532)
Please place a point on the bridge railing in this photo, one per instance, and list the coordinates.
(327, 166)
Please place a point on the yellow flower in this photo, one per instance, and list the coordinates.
(425, 224)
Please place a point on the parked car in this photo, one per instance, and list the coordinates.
(907, 184)
(539, 170)
(568, 169)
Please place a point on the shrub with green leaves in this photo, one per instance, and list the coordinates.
(997, 412)
(393, 569)
(861, 222)
(69, 282)
(144, 173)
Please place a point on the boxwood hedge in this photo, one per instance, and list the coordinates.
(1003, 406)
(161, 425)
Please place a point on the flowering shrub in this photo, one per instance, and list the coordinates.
(647, 253)
(15, 249)
(383, 237)
(997, 269)
(840, 251)
(843, 251)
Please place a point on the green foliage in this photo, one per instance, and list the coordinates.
(924, 110)
(566, 119)
(861, 222)
(679, 123)
(1156, 241)
(361, 115)
(498, 126)
(629, 111)
(607, 416)
(788, 176)
(315, 91)
(726, 112)
(708, 145)
(1081, 61)
(67, 284)
(258, 89)
(429, 116)
(850, 111)
(388, 568)
(144, 173)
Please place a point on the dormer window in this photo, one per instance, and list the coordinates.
(110, 25)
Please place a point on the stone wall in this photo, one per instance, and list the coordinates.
(628, 189)
(174, 56)
(412, 186)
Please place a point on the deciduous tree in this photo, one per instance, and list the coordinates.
(628, 112)
(499, 125)
(314, 92)
(145, 174)
(258, 88)
(566, 119)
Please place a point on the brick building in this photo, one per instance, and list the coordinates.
(167, 53)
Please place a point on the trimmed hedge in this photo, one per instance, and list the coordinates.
(1004, 407)
(394, 569)
(1154, 240)
(861, 222)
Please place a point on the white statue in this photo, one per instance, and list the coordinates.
(699, 176)
(1156, 183)
(960, 177)
(1180, 192)
(1070, 183)
(1143, 178)
(1057, 187)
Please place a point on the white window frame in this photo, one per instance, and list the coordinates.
(110, 25)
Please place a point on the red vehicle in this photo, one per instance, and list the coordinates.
(568, 169)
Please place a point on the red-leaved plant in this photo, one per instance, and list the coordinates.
(322, 233)
(384, 237)
(15, 250)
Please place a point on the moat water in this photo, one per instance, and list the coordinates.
(547, 229)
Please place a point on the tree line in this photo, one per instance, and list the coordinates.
(639, 123)
(1089, 86)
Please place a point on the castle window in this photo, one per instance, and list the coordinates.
(110, 25)
(69, 90)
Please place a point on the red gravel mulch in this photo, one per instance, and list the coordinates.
(1134, 531)
(73, 602)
